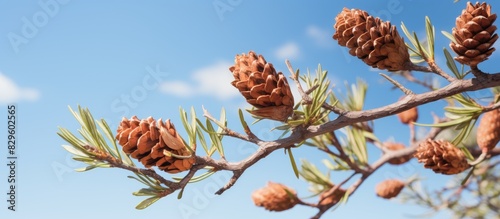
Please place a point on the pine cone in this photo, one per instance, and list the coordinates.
(370, 39)
(332, 199)
(153, 143)
(394, 147)
(442, 157)
(389, 188)
(488, 131)
(409, 116)
(474, 34)
(274, 197)
(262, 87)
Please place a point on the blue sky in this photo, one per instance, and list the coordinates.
(124, 58)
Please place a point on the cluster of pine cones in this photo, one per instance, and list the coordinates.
(375, 42)
(379, 45)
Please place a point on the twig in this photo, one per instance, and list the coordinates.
(342, 155)
(310, 90)
(453, 88)
(295, 78)
(479, 159)
(432, 68)
(413, 137)
(412, 67)
(397, 84)
(323, 208)
(491, 107)
(172, 186)
(409, 77)
(381, 146)
(336, 187)
(250, 138)
(436, 69)
(148, 172)
(476, 72)
(306, 99)
(334, 109)
(301, 202)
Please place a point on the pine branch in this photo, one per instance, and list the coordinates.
(299, 134)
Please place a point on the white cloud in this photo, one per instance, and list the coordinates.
(212, 80)
(10, 92)
(215, 80)
(177, 88)
(320, 36)
(288, 50)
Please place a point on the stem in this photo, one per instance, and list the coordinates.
(436, 69)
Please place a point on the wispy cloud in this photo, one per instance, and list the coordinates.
(321, 37)
(212, 80)
(177, 88)
(288, 50)
(10, 92)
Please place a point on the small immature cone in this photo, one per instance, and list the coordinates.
(370, 39)
(262, 87)
(474, 34)
(394, 147)
(408, 117)
(389, 188)
(153, 143)
(442, 157)
(274, 197)
(488, 131)
(332, 199)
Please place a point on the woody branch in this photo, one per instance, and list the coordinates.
(299, 134)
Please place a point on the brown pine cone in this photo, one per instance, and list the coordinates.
(153, 143)
(370, 39)
(389, 188)
(409, 116)
(394, 147)
(262, 87)
(274, 197)
(442, 157)
(474, 34)
(332, 199)
(488, 131)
